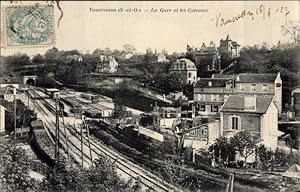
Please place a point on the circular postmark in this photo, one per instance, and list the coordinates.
(30, 25)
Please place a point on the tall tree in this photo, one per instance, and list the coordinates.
(38, 59)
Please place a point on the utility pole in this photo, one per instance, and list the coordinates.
(81, 137)
(65, 132)
(57, 127)
(88, 133)
(15, 115)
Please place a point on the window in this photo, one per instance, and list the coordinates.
(228, 85)
(265, 88)
(242, 87)
(278, 85)
(202, 108)
(253, 87)
(190, 74)
(200, 97)
(214, 108)
(234, 122)
(214, 97)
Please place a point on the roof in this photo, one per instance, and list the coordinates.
(223, 76)
(183, 65)
(236, 103)
(256, 78)
(297, 86)
(207, 50)
(215, 82)
(9, 90)
(235, 44)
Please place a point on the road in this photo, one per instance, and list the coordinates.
(71, 142)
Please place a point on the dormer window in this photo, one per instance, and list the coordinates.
(250, 102)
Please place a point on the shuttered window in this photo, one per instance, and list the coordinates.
(234, 122)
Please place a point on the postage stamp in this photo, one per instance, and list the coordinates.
(28, 26)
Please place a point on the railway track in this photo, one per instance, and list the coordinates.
(72, 137)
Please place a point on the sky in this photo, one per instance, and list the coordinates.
(85, 30)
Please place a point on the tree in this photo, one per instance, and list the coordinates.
(52, 55)
(24, 115)
(102, 177)
(119, 109)
(168, 82)
(265, 157)
(223, 149)
(17, 60)
(38, 59)
(245, 143)
(174, 172)
(292, 28)
(14, 169)
(128, 48)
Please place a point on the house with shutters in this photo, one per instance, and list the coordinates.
(210, 93)
(255, 113)
(260, 84)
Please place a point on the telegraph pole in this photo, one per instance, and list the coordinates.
(57, 127)
(15, 115)
(81, 137)
(88, 134)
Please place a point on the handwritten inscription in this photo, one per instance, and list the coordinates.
(261, 11)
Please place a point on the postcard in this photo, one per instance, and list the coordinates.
(150, 96)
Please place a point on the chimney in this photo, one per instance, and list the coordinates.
(250, 102)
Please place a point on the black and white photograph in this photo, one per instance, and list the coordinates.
(150, 96)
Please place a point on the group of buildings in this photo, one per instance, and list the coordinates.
(210, 56)
(227, 104)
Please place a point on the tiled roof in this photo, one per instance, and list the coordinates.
(223, 76)
(215, 82)
(236, 103)
(206, 50)
(183, 65)
(257, 78)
